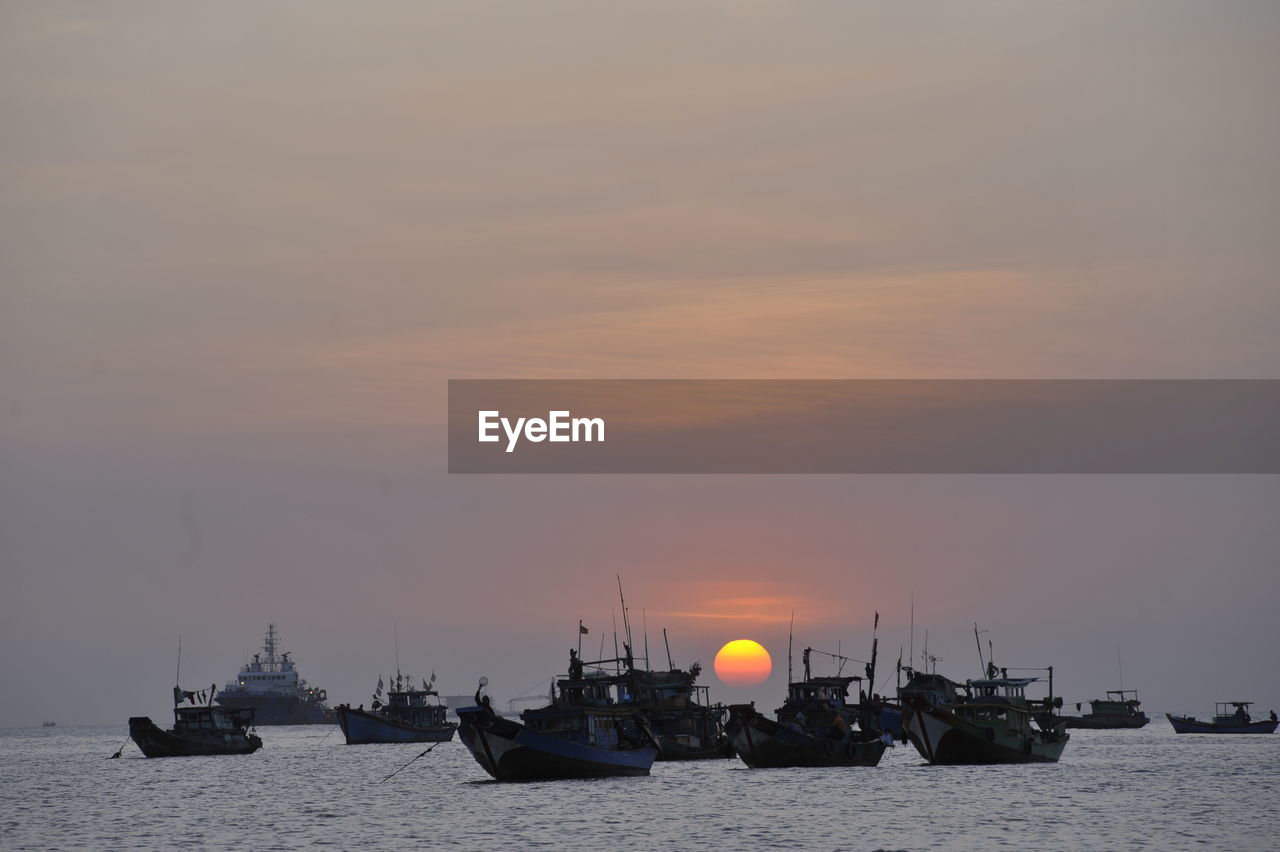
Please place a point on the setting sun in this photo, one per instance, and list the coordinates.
(743, 662)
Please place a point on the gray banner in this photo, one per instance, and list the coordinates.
(864, 426)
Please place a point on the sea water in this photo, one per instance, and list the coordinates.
(1149, 788)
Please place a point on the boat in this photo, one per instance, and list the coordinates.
(1110, 712)
(198, 729)
(584, 733)
(48, 724)
(407, 716)
(679, 713)
(985, 721)
(1225, 721)
(271, 685)
(816, 725)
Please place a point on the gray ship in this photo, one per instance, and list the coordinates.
(270, 684)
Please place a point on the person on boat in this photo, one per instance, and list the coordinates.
(1273, 715)
(839, 728)
(575, 665)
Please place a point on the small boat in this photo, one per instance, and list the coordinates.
(585, 736)
(1225, 721)
(48, 724)
(815, 726)
(991, 722)
(1111, 712)
(407, 716)
(199, 729)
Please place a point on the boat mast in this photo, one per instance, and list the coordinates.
(665, 641)
(645, 619)
(177, 677)
(790, 633)
(982, 664)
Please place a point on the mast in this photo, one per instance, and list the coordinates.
(982, 664)
(665, 641)
(645, 618)
(911, 655)
(177, 677)
(790, 633)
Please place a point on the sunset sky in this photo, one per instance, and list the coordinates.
(243, 247)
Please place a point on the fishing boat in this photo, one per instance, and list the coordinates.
(816, 725)
(584, 733)
(992, 722)
(198, 729)
(272, 686)
(408, 715)
(1114, 711)
(679, 713)
(1225, 721)
(48, 724)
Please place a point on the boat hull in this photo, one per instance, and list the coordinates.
(1185, 725)
(278, 710)
(943, 738)
(674, 750)
(361, 727)
(1100, 724)
(154, 742)
(762, 743)
(509, 751)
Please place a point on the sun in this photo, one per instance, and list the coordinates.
(743, 662)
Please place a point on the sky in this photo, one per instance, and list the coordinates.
(244, 247)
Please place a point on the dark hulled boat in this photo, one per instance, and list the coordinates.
(1225, 721)
(815, 726)
(680, 713)
(992, 722)
(407, 716)
(584, 733)
(1111, 712)
(197, 730)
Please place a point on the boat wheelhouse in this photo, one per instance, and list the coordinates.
(197, 730)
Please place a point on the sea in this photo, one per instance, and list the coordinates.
(1144, 789)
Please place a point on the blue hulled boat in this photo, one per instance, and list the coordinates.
(407, 716)
(584, 733)
(1225, 721)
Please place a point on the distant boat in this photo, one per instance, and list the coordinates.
(407, 716)
(991, 722)
(271, 685)
(1225, 721)
(815, 726)
(1109, 712)
(586, 733)
(199, 729)
(48, 724)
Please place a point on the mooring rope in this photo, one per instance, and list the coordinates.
(397, 772)
(121, 749)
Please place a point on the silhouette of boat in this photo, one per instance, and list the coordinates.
(199, 729)
(815, 726)
(48, 724)
(992, 722)
(271, 685)
(1109, 712)
(585, 733)
(1225, 721)
(407, 716)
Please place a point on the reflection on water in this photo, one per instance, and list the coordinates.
(1113, 789)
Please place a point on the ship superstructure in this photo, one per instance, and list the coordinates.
(270, 683)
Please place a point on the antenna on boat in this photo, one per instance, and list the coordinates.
(982, 664)
(912, 655)
(790, 633)
(645, 618)
(617, 658)
(626, 622)
(395, 638)
(177, 677)
(667, 642)
(1120, 665)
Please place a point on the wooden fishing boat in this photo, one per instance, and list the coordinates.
(816, 725)
(993, 723)
(591, 737)
(408, 715)
(1225, 721)
(1114, 711)
(197, 730)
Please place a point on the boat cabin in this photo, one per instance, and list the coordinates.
(1116, 704)
(212, 718)
(1223, 714)
(831, 690)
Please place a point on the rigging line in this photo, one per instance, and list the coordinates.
(397, 772)
(120, 750)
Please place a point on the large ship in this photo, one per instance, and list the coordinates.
(271, 685)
